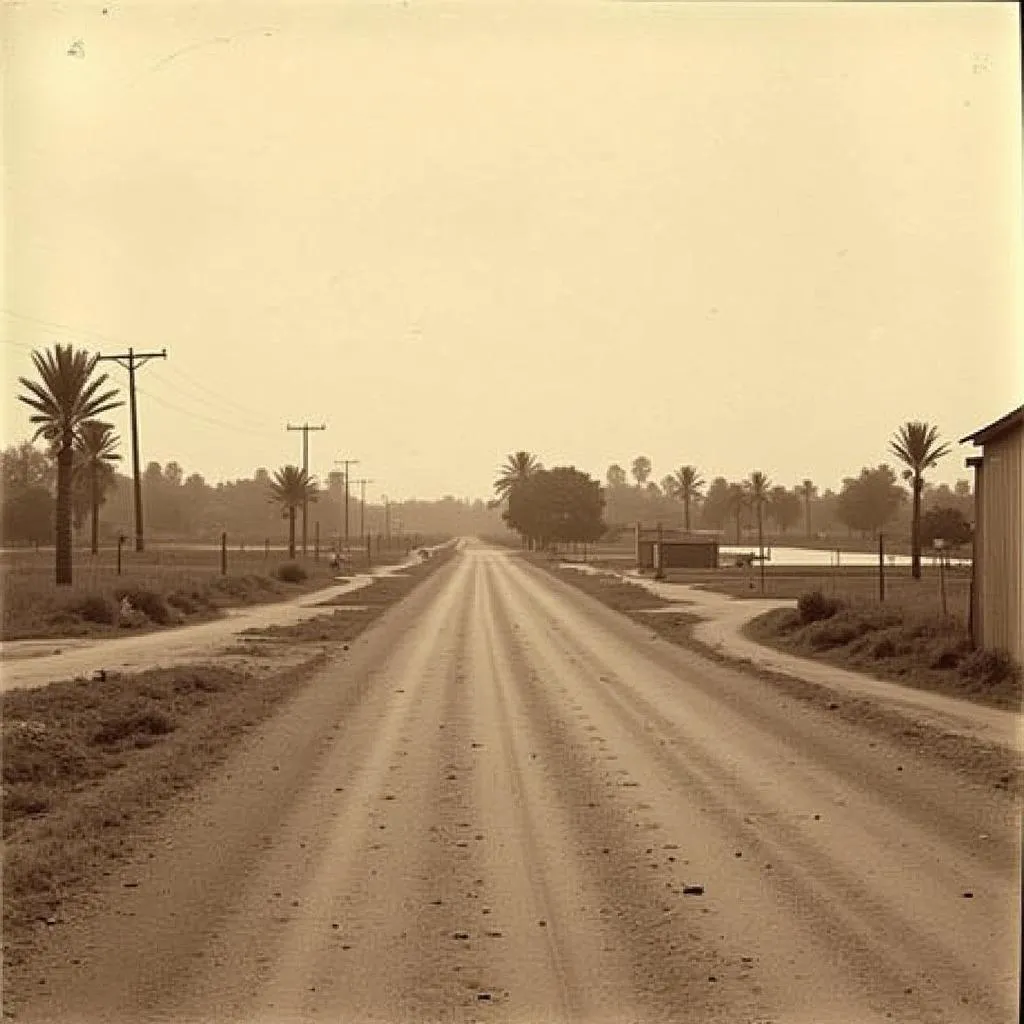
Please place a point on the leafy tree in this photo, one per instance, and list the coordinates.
(715, 509)
(616, 476)
(66, 396)
(868, 502)
(25, 466)
(947, 524)
(808, 492)
(784, 507)
(641, 469)
(95, 454)
(917, 446)
(685, 485)
(736, 501)
(290, 488)
(558, 505)
(28, 515)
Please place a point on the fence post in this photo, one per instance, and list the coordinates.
(120, 544)
(224, 554)
(266, 548)
(881, 569)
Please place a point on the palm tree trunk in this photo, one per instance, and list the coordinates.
(291, 531)
(738, 538)
(807, 514)
(686, 513)
(63, 517)
(915, 530)
(95, 486)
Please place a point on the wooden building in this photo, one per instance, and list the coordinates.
(997, 601)
(679, 549)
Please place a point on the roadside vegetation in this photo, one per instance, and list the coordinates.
(87, 763)
(893, 641)
(164, 588)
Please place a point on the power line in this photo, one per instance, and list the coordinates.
(305, 428)
(131, 361)
(213, 421)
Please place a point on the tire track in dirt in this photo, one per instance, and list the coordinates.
(870, 922)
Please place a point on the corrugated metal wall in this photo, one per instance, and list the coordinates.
(1002, 545)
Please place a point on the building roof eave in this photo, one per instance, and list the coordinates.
(994, 430)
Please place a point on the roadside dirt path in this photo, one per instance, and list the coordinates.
(722, 629)
(494, 810)
(31, 663)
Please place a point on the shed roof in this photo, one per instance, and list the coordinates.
(996, 430)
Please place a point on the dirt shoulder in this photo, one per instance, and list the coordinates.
(86, 763)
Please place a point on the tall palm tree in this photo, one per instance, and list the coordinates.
(759, 490)
(641, 469)
(736, 501)
(918, 447)
(687, 485)
(291, 487)
(65, 397)
(807, 492)
(518, 466)
(95, 453)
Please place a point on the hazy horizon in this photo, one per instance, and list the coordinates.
(738, 237)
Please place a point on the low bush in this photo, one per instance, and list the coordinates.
(816, 607)
(826, 635)
(950, 655)
(132, 723)
(150, 603)
(94, 608)
(291, 572)
(990, 667)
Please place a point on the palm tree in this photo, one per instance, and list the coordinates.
(641, 469)
(736, 500)
(291, 487)
(686, 485)
(808, 491)
(518, 467)
(759, 490)
(96, 452)
(66, 397)
(917, 445)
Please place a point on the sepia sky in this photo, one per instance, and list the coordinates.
(740, 236)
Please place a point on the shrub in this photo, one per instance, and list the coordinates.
(291, 572)
(950, 655)
(833, 634)
(132, 723)
(148, 602)
(990, 667)
(94, 608)
(884, 648)
(815, 607)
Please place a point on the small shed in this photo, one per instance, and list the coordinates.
(997, 590)
(680, 549)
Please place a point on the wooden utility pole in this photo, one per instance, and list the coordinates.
(132, 361)
(305, 428)
(362, 504)
(346, 463)
(387, 522)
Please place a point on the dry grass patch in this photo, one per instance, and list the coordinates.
(896, 642)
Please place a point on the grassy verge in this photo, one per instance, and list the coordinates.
(84, 762)
(164, 589)
(893, 641)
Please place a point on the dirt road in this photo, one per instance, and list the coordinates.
(512, 804)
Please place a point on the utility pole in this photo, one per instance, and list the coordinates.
(305, 428)
(346, 463)
(131, 361)
(362, 506)
(387, 522)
